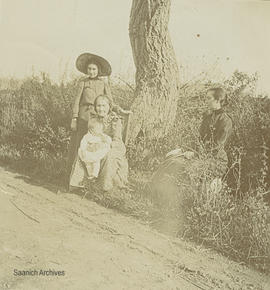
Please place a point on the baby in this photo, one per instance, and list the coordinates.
(94, 147)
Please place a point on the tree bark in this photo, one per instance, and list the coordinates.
(157, 75)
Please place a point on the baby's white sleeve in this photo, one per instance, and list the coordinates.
(82, 152)
(84, 142)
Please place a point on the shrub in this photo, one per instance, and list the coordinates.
(35, 120)
(238, 228)
(234, 221)
(34, 134)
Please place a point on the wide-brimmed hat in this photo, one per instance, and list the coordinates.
(85, 58)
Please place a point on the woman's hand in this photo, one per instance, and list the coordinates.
(189, 154)
(126, 112)
(178, 152)
(73, 124)
(174, 152)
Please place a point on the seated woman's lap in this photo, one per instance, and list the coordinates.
(114, 168)
(177, 174)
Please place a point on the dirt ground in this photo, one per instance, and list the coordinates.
(98, 248)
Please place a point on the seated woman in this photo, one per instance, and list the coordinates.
(114, 166)
(215, 130)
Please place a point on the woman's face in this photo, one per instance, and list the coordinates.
(92, 70)
(212, 103)
(102, 107)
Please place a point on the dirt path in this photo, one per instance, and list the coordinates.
(99, 248)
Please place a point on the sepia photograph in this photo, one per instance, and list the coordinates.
(134, 144)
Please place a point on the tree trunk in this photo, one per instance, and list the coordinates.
(157, 75)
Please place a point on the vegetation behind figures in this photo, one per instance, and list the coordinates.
(35, 133)
(232, 216)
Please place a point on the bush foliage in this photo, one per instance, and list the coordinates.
(34, 126)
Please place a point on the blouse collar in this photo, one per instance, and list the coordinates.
(93, 79)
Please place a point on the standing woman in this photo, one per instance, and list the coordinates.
(89, 88)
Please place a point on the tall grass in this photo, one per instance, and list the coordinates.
(34, 126)
(236, 219)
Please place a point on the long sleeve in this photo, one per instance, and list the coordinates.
(107, 90)
(215, 131)
(76, 101)
(117, 108)
(204, 127)
(117, 130)
(223, 131)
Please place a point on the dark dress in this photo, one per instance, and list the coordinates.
(215, 131)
